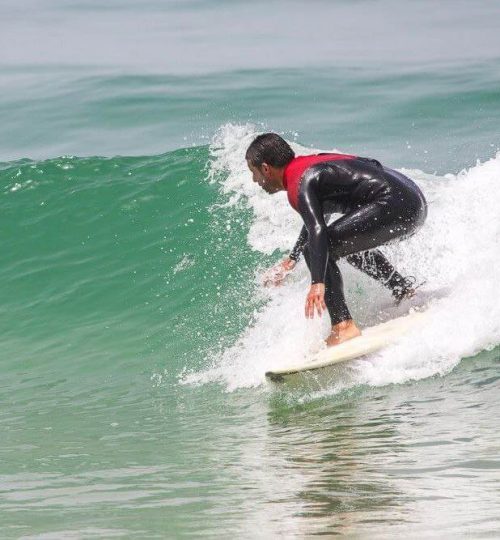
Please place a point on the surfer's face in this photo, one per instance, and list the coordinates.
(265, 177)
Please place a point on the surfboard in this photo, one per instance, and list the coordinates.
(372, 339)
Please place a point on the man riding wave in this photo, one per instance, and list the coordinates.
(378, 205)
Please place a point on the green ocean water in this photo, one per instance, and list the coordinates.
(136, 330)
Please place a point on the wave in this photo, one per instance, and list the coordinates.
(98, 258)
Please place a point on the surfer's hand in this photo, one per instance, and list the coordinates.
(276, 274)
(315, 300)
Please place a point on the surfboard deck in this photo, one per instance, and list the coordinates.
(371, 340)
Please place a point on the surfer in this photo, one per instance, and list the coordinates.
(377, 204)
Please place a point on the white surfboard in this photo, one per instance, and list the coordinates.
(371, 340)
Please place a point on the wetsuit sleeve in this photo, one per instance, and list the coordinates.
(311, 210)
(299, 245)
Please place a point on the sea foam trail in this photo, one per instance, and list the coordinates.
(457, 251)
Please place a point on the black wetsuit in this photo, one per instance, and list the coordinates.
(378, 205)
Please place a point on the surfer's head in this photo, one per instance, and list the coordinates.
(267, 156)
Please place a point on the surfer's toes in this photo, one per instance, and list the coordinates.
(406, 289)
(407, 294)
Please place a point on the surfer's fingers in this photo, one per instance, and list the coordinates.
(309, 308)
(319, 305)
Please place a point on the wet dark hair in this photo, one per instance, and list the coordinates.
(269, 148)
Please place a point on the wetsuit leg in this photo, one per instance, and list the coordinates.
(375, 264)
(372, 262)
(370, 226)
(334, 290)
(361, 230)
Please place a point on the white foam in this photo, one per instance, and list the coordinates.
(458, 248)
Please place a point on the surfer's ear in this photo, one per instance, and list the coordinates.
(265, 168)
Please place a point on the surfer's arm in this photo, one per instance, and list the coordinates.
(311, 210)
(299, 245)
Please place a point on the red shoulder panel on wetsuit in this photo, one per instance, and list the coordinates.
(295, 169)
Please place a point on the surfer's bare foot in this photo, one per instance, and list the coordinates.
(341, 332)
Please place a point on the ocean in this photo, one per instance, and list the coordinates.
(135, 326)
